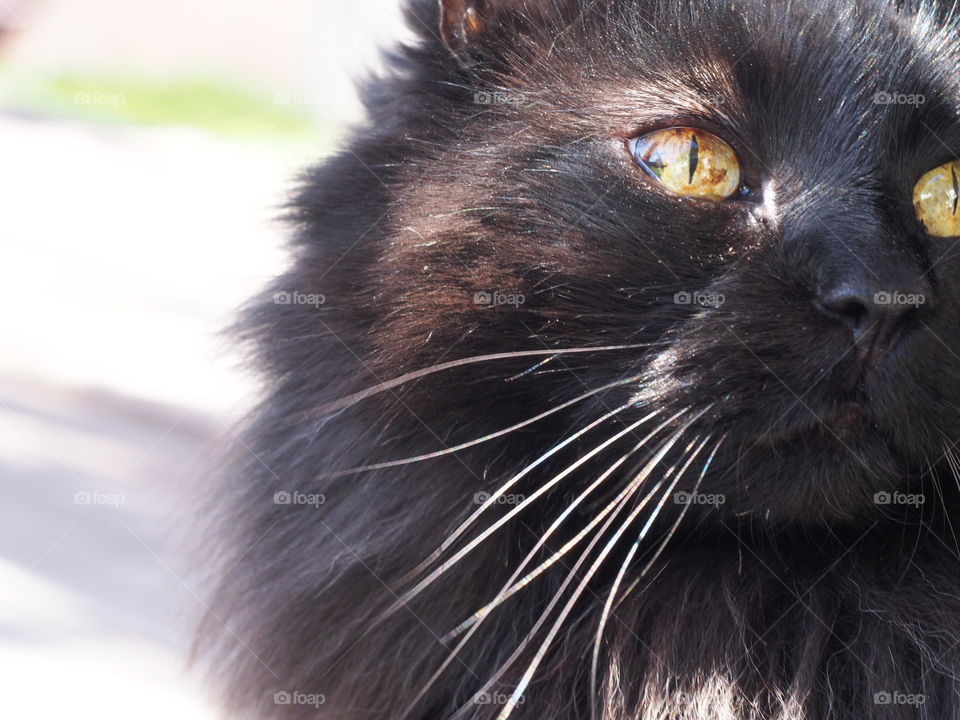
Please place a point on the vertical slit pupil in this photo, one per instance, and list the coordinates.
(956, 192)
(695, 158)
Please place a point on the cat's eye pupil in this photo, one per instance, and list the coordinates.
(956, 191)
(694, 157)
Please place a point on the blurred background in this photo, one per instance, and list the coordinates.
(145, 149)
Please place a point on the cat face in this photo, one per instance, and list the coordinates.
(592, 268)
(795, 303)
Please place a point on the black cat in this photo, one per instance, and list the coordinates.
(616, 375)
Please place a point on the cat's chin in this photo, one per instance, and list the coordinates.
(831, 472)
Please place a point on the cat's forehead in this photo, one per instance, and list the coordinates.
(856, 72)
(832, 49)
(829, 48)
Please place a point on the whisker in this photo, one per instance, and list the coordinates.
(473, 623)
(356, 397)
(511, 589)
(478, 441)
(955, 471)
(544, 647)
(673, 529)
(952, 460)
(686, 508)
(571, 575)
(531, 369)
(520, 507)
(608, 604)
(495, 496)
(508, 590)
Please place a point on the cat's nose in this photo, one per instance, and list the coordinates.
(877, 318)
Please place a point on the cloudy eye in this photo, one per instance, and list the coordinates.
(688, 162)
(935, 197)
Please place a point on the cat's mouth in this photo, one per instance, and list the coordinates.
(845, 421)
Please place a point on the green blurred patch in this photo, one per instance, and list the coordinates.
(222, 106)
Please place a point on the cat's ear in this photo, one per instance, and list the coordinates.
(460, 23)
(466, 24)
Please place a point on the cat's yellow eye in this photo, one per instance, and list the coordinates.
(935, 196)
(689, 162)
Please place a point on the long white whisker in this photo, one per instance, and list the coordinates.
(509, 484)
(608, 605)
(494, 497)
(511, 587)
(951, 459)
(509, 590)
(686, 508)
(477, 441)
(356, 397)
(520, 507)
(571, 575)
(541, 652)
(473, 623)
(673, 529)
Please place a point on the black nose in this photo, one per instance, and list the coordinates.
(878, 318)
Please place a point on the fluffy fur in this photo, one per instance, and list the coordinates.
(797, 598)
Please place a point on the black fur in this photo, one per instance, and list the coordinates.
(797, 598)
